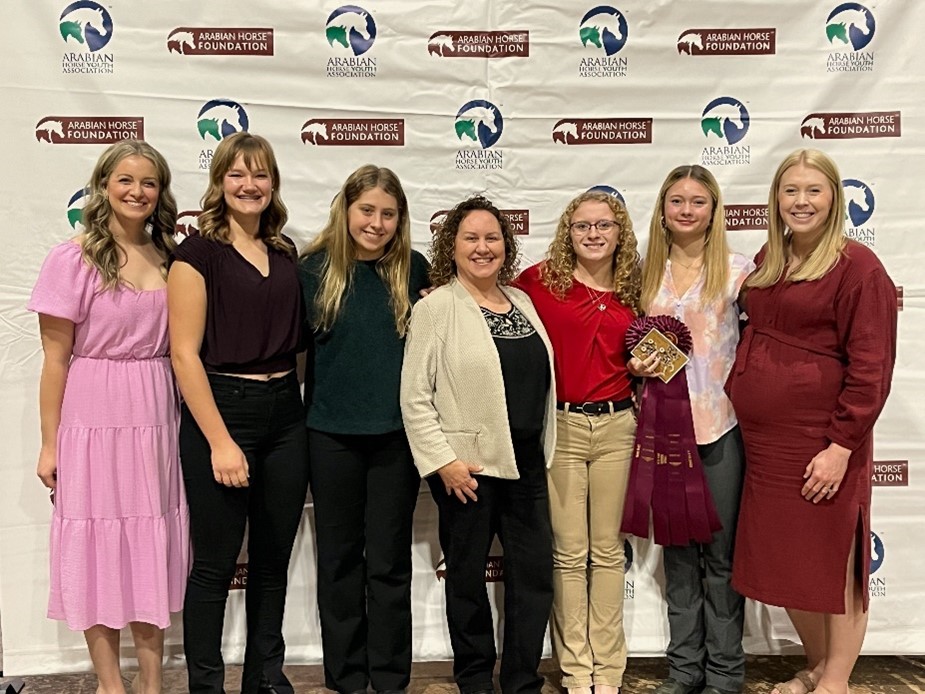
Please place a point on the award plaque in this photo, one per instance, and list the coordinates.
(670, 359)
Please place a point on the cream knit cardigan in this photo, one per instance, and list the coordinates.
(452, 390)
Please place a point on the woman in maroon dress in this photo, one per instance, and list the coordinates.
(810, 378)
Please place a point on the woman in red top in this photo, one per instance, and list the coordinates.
(586, 293)
(811, 375)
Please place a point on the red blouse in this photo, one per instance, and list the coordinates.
(588, 344)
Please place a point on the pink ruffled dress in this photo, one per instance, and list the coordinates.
(120, 528)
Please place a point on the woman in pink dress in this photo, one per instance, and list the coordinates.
(811, 375)
(119, 539)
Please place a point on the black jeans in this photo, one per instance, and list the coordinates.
(518, 511)
(364, 488)
(267, 420)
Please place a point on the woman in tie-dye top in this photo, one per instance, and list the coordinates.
(690, 274)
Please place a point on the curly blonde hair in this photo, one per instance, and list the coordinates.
(98, 245)
(394, 267)
(443, 244)
(557, 273)
(257, 153)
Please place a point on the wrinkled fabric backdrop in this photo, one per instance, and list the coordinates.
(528, 102)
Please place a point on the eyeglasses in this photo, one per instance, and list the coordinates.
(603, 226)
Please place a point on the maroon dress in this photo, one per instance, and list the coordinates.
(814, 367)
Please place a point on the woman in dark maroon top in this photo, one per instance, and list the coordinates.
(235, 315)
(586, 293)
(811, 375)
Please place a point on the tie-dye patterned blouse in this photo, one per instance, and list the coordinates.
(715, 332)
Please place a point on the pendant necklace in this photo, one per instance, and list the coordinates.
(597, 298)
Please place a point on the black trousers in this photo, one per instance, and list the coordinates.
(518, 512)
(364, 488)
(267, 420)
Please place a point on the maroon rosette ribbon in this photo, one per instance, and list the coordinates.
(666, 476)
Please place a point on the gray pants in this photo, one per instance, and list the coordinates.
(705, 615)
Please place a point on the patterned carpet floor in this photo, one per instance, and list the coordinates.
(873, 675)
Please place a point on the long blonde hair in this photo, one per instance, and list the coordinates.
(832, 241)
(99, 247)
(257, 153)
(394, 267)
(715, 250)
(558, 270)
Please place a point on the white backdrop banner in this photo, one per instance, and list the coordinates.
(529, 102)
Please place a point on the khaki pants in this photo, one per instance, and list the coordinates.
(587, 486)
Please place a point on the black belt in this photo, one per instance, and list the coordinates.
(596, 408)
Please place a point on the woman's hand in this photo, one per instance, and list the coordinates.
(825, 472)
(643, 369)
(229, 465)
(457, 479)
(47, 469)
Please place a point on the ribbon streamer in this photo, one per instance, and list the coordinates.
(667, 474)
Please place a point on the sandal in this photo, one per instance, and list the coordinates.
(804, 677)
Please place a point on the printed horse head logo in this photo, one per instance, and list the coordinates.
(439, 43)
(812, 127)
(180, 41)
(479, 121)
(221, 118)
(726, 118)
(86, 23)
(876, 552)
(688, 40)
(859, 201)
(187, 225)
(850, 24)
(565, 132)
(609, 190)
(49, 130)
(351, 29)
(313, 130)
(75, 207)
(605, 28)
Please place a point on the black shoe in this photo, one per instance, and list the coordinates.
(710, 689)
(672, 686)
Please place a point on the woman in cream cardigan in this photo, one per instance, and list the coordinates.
(478, 402)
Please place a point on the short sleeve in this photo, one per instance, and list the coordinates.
(740, 268)
(419, 275)
(527, 280)
(65, 285)
(194, 250)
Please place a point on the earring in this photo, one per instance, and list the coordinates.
(666, 230)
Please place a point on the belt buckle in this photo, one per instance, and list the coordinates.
(591, 408)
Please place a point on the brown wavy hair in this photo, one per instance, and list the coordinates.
(258, 154)
(99, 247)
(394, 267)
(443, 245)
(557, 272)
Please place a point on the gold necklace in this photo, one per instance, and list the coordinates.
(689, 267)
